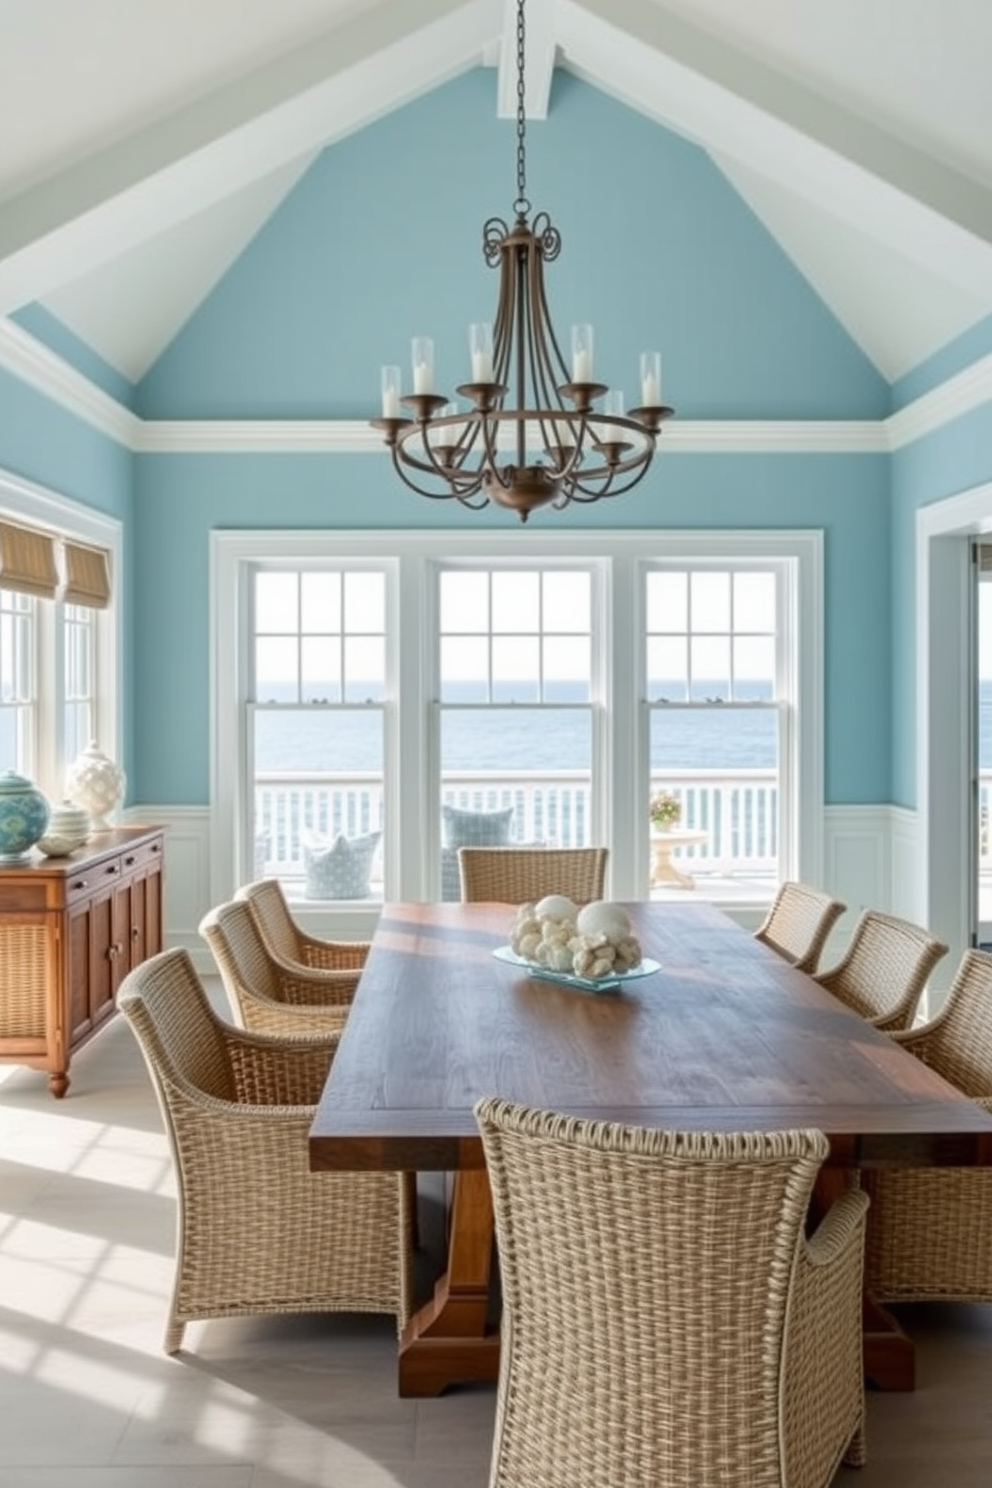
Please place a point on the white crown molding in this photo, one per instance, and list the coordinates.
(25, 357)
(960, 394)
(351, 437)
(32, 362)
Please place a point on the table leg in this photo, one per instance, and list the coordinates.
(448, 1340)
(890, 1354)
(663, 870)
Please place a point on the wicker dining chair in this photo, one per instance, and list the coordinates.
(287, 939)
(665, 1320)
(257, 1231)
(518, 875)
(884, 970)
(265, 993)
(930, 1229)
(798, 923)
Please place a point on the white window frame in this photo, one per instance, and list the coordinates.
(622, 749)
(46, 510)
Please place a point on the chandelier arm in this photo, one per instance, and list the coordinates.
(404, 459)
(613, 487)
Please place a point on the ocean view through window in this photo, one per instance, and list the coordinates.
(527, 695)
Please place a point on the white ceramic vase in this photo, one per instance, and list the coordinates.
(96, 784)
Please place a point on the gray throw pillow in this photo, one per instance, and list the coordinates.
(339, 870)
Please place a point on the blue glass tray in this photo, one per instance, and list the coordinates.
(611, 983)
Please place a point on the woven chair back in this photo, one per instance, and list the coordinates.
(798, 923)
(178, 1032)
(646, 1278)
(521, 875)
(958, 1042)
(267, 903)
(239, 951)
(885, 969)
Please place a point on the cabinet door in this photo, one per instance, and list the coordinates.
(77, 975)
(106, 945)
(144, 937)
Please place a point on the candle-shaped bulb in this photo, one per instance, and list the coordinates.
(613, 408)
(447, 434)
(423, 364)
(651, 379)
(390, 392)
(582, 353)
(480, 340)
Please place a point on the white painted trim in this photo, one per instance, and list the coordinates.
(958, 395)
(342, 436)
(33, 363)
(39, 506)
(232, 551)
(944, 886)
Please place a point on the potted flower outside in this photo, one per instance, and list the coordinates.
(666, 811)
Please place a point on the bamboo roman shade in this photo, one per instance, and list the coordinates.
(28, 565)
(87, 576)
(27, 561)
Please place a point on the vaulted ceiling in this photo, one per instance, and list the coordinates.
(145, 143)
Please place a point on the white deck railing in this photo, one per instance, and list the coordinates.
(738, 812)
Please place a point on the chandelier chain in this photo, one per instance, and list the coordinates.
(521, 205)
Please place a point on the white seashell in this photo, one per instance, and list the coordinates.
(604, 918)
(555, 907)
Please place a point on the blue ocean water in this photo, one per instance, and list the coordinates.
(522, 738)
(513, 738)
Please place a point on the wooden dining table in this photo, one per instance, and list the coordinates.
(725, 1035)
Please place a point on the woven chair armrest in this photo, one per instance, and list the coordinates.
(842, 1224)
(824, 1384)
(316, 987)
(918, 1041)
(284, 1070)
(342, 955)
(287, 1019)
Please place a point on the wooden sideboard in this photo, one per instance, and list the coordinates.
(70, 931)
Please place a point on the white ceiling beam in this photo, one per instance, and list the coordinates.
(127, 193)
(539, 59)
(726, 100)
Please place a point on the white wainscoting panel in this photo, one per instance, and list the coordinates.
(868, 862)
(187, 874)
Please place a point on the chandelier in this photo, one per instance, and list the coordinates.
(532, 435)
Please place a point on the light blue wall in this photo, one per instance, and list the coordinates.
(370, 249)
(381, 241)
(180, 499)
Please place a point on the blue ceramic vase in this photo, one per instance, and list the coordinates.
(23, 817)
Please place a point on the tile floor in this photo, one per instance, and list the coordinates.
(88, 1400)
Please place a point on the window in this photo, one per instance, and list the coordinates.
(59, 677)
(717, 697)
(317, 738)
(18, 698)
(516, 693)
(378, 684)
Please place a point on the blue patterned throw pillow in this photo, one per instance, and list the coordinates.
(476, 828)
(469, 829)
(341, 869)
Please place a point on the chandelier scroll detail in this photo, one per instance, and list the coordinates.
(531, 433)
